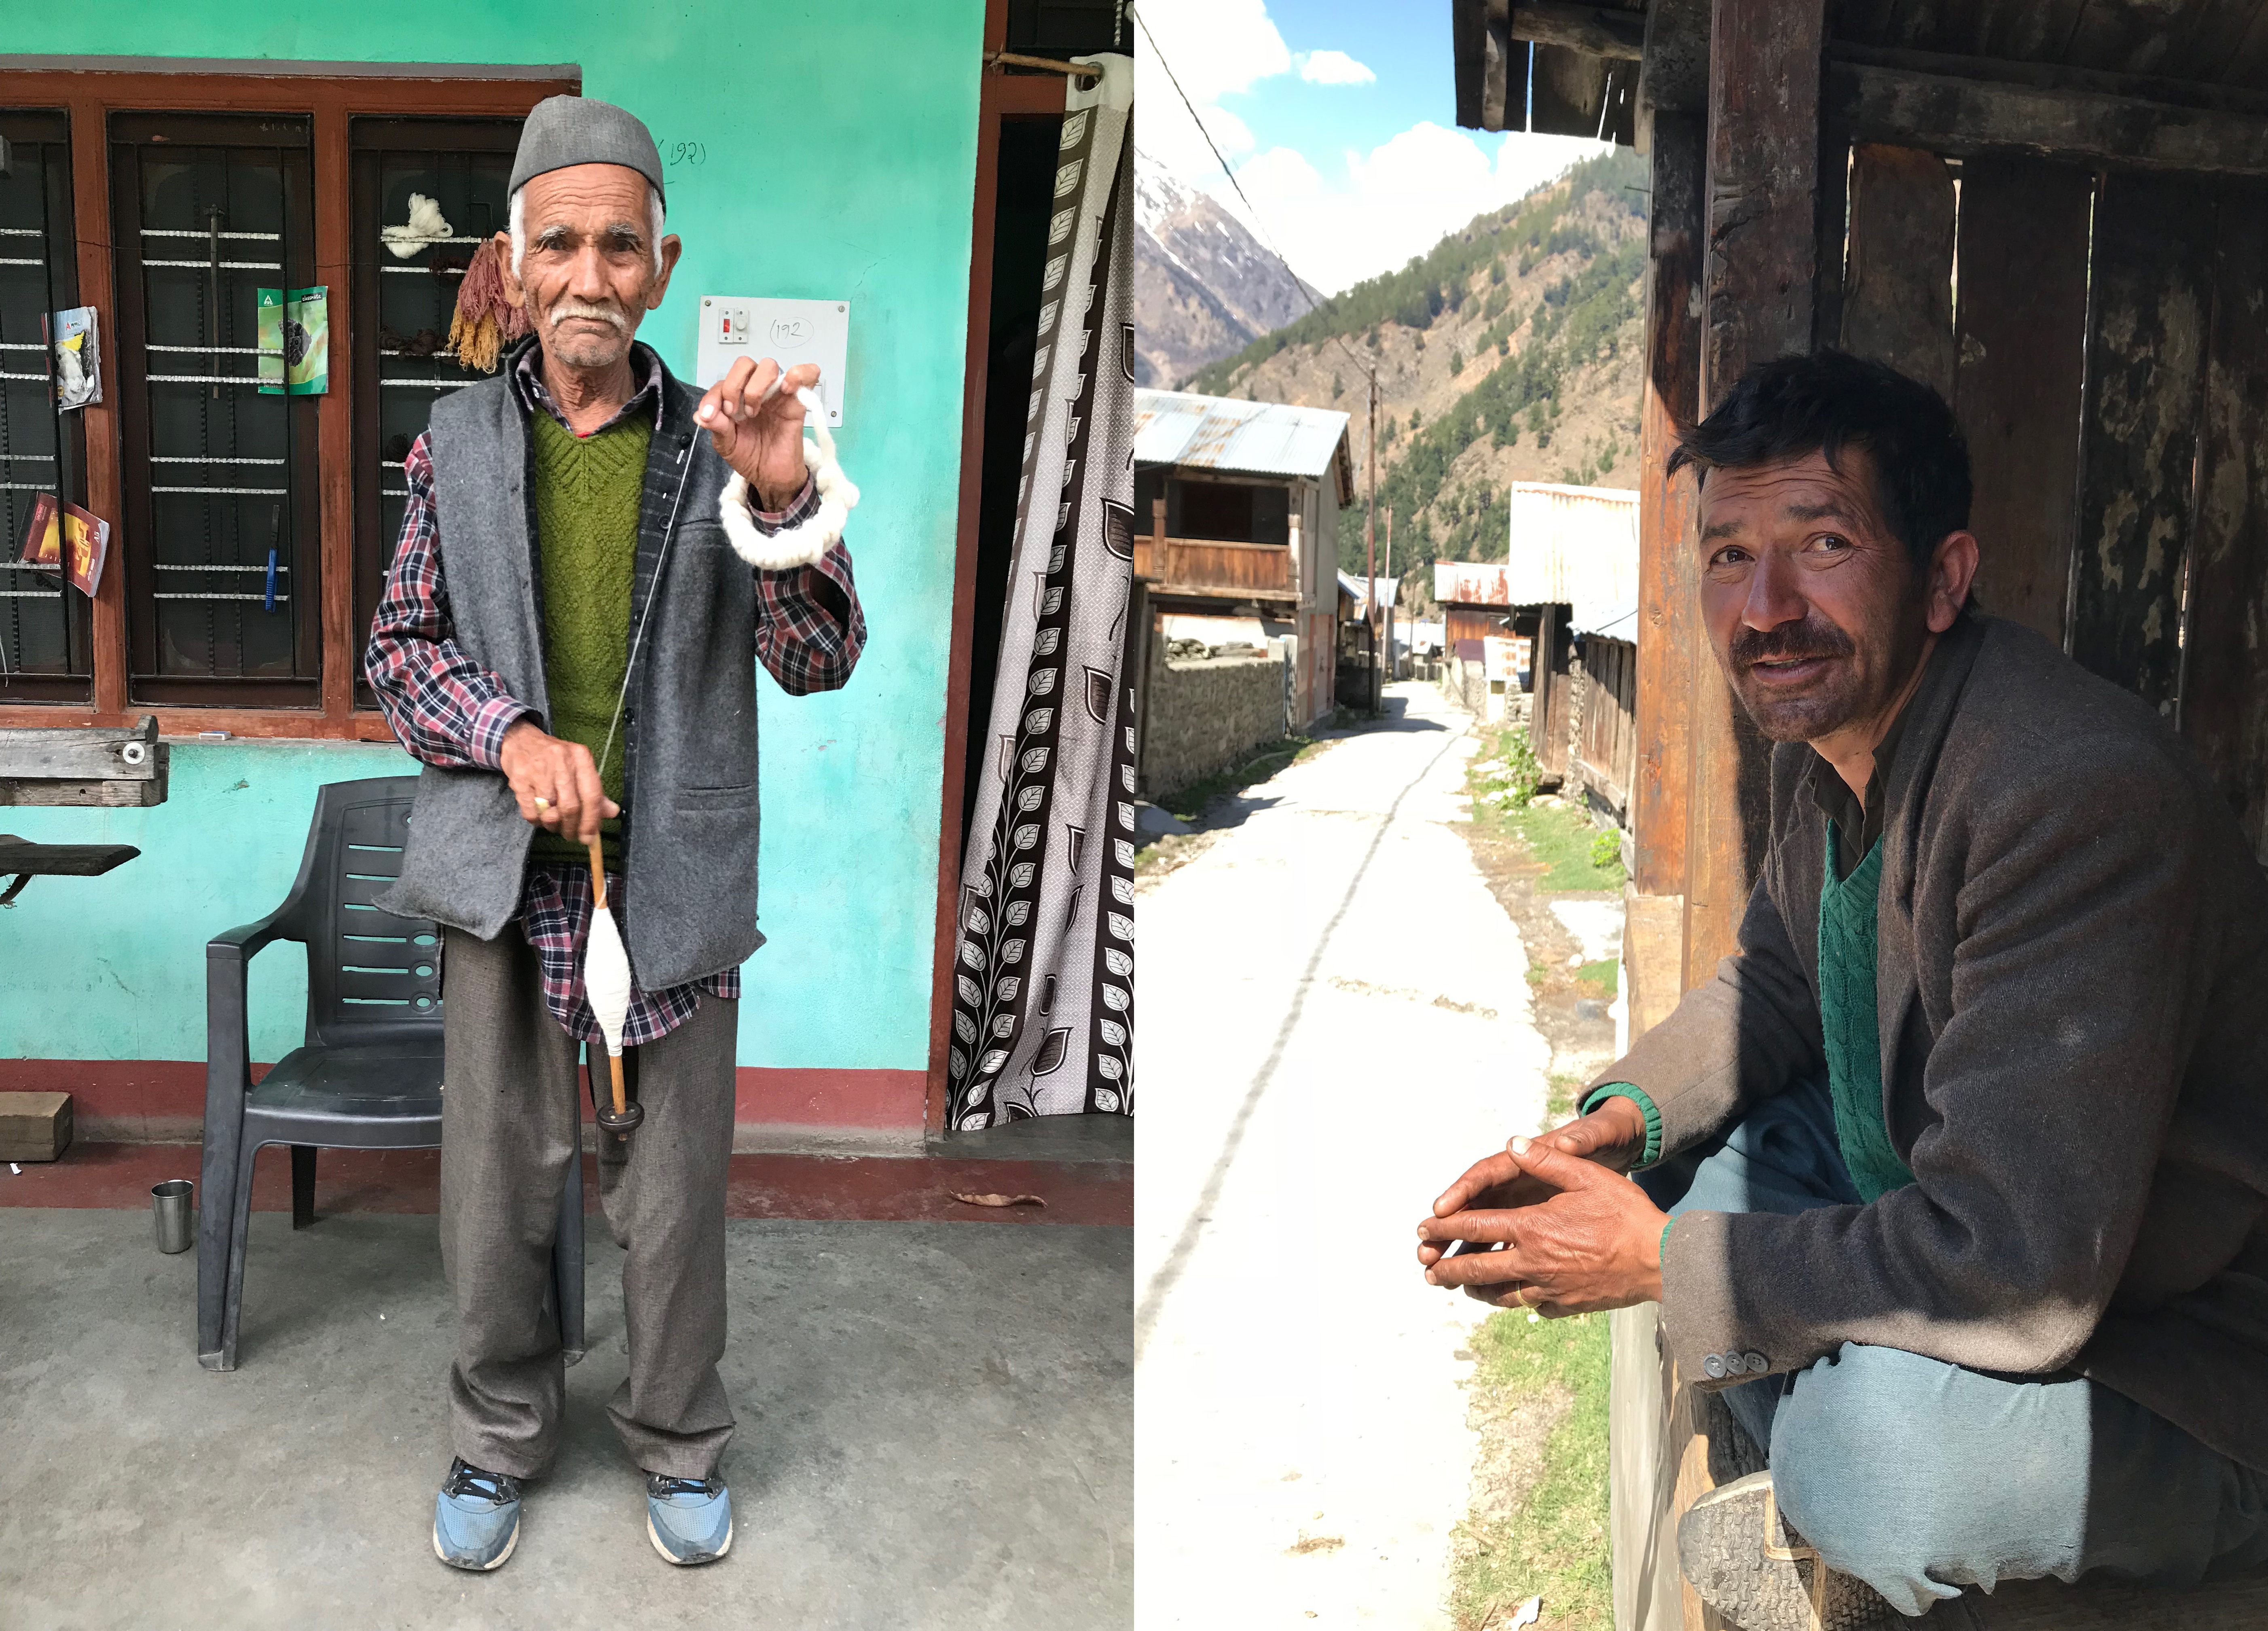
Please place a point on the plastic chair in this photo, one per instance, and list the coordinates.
(368, 1076)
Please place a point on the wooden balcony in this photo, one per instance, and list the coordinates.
(1216, 569)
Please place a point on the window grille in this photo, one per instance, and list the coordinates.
(221, 499)
(403, 307)
(45, 640)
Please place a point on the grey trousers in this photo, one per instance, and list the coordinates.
(510, 1123)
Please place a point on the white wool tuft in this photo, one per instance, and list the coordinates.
(607, 978)
(803, 543)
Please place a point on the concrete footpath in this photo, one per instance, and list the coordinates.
(935, 1430)
(1334, 1012)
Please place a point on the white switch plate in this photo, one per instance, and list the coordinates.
(790, 331)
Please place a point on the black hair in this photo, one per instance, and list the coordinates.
(1826, 401)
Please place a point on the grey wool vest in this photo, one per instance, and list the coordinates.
(688, 903)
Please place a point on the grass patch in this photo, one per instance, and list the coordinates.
(1561, 838)
(1552, 1537)
(1602, 974)
(1189, 802)
(1559, 1098)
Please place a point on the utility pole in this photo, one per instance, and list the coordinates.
(1370, 544)
(1386, 611)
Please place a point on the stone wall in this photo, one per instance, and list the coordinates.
(1207, 714)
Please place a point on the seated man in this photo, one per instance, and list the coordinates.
(1965, 1153)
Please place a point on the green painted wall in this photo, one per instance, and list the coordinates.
(840, 145)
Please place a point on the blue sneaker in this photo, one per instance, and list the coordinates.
(688, 1520)
(475, 1517)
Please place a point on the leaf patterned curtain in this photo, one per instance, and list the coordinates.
(1044, 993)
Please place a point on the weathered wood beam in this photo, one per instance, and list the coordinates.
(1762, 259)
(1597, 30)
(2052, 77)
(1960, 116)
(1897, 291)
(1669, 641)
(2225, 665)
(2020, 375)
(2152, 300)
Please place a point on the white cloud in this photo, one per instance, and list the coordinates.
(1394, 202)
(1333, 68)
(1214, 49)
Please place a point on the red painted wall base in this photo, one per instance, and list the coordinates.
(163, 1101)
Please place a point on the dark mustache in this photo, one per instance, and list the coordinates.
(1790, 642)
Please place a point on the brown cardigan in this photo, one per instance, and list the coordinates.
(2072, 984)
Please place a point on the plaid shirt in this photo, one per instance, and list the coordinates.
(448, 709)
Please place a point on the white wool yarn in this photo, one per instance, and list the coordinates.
(606, 977)
(807, 540)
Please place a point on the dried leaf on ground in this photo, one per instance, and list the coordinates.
(997, 1201)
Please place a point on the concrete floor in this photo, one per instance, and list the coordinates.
(935, 1430)
(1336, 1025)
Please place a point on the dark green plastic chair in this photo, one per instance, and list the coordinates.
(368, 1076)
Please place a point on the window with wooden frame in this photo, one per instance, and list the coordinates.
(46, 633)
(404, 298)
(251, 530)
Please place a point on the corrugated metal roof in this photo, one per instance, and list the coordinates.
(1244, 438)
(1570, 546)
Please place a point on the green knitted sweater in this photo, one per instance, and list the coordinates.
(586, 518)
(1848, 1016)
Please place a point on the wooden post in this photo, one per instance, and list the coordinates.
(1764, 59)
(2020, 375)
(1669, 641)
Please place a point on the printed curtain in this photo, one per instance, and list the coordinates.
(1043, 992)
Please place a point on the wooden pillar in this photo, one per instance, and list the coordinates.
(1762, 258)
(1669, 641)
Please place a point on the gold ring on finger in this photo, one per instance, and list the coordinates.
(542, 804)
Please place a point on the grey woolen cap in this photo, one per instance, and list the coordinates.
(566, 131)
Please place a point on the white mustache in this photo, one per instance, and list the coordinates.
(561, 310)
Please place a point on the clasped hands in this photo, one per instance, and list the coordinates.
(1550, 1222)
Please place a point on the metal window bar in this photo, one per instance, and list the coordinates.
(21, 346)
(422, 385)
(177, 594)
(264, 492)
(194, 378)
(26, 458)
(182, 232)
(23, 231)
(22, 376)
(226, 266)
(408, 271)
(201, 458)
(212, 350)
(17, 260)
(221, 566)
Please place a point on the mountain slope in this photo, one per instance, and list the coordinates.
(1510, 351)
(1203, 286)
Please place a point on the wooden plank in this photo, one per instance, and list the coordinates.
(1960, 116)
(35, 1126)
(1898, 289)
(1765, 64)
(97, 754)
(2021, 335)
(109, 794)
(1654, 956)
(1669, 625)
(20, 857)
(337, 637)
(1995, 69)
(1594, 30)
(105, 483)
(2152, 291)
(2224, 696)
(1646, 1589)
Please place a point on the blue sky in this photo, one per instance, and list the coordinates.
(1340, 121)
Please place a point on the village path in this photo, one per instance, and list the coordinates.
(1333, 1022)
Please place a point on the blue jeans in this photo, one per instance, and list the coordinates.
(1920, 1477)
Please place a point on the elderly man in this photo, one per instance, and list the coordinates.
(553, 512)
(1965, 1154)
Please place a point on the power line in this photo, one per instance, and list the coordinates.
(1266, 242)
